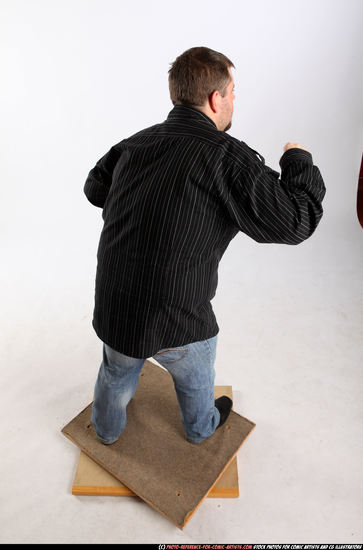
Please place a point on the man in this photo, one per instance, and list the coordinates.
(173, 197)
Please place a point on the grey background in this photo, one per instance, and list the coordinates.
(79, 76)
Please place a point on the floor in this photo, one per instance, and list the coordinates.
(290, 344)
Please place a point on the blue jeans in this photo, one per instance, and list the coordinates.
(192, 369)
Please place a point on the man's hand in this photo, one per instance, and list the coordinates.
(290, 145)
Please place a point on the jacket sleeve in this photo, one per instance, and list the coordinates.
(273, 210)
(99, 179)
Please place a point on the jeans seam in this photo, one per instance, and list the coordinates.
(210, 354)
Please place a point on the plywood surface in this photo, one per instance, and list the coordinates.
(153, 458)
(91, 479)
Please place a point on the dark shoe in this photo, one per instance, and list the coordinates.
(224, 405)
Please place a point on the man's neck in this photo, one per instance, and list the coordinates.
(208, 112)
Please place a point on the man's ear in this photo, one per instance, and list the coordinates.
(213, 100)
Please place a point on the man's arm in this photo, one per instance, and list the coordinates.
(273, 210)
(99, 179)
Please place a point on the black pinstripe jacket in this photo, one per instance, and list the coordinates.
(173, 196)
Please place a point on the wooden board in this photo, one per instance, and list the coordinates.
(92, 479)
(152, 456)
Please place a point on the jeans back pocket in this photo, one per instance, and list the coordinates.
(170, 355)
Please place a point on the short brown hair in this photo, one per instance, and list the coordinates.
(196, 73)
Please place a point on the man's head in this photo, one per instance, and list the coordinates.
(202, 78)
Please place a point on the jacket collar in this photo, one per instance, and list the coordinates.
(182, 112)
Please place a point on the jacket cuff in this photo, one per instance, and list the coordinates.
(295, 154)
